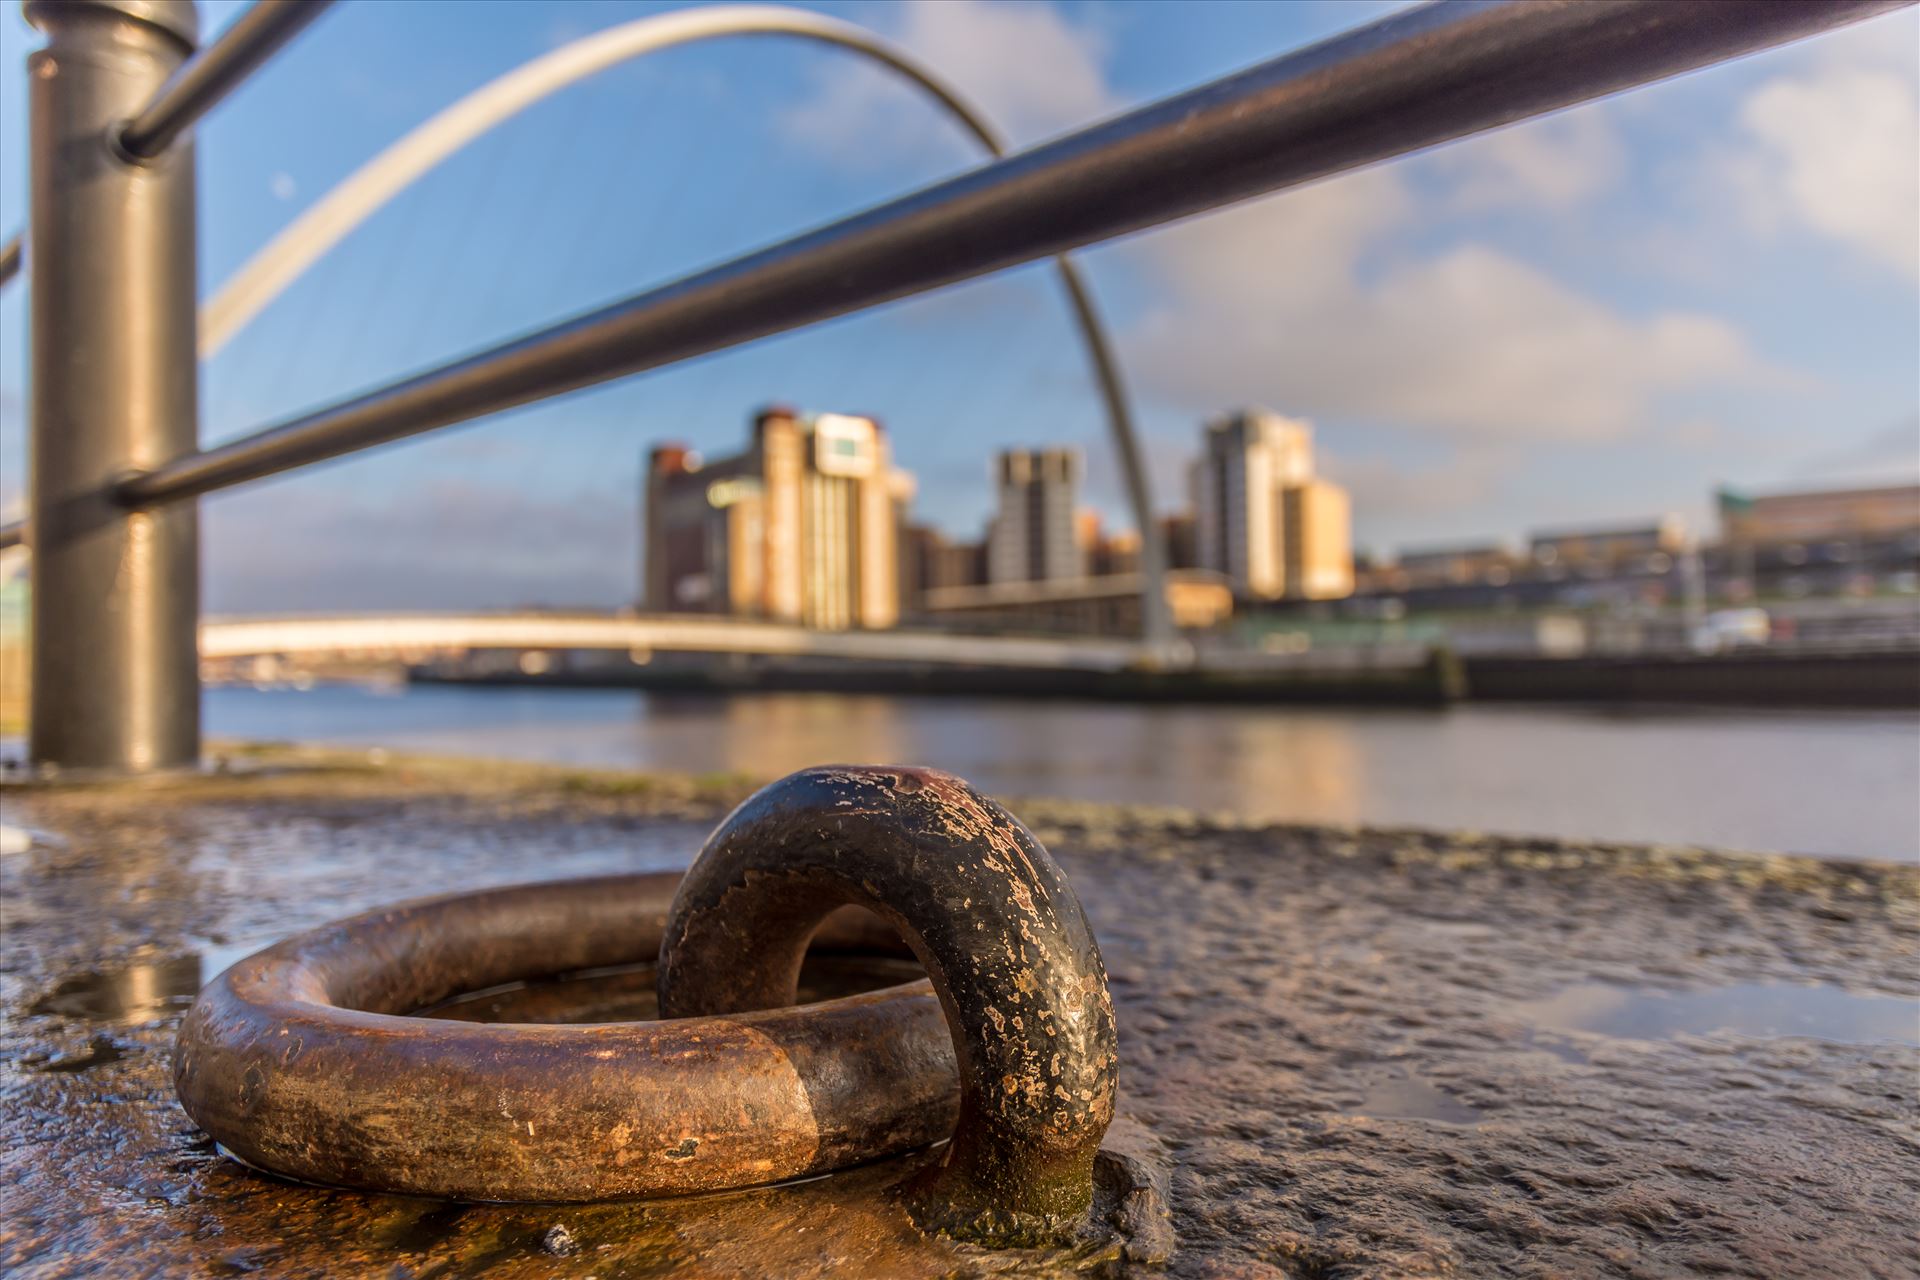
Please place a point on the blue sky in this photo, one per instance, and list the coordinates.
(1598, 316)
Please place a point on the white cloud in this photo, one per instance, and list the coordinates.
(1295, 301)
(1467, 480)
(1379, 297)
(1890, 455)
(1555, 163)
(1028, 70)
(1837, 151)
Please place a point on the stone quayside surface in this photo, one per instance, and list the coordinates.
(1358, 1053)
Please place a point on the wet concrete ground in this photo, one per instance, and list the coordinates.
(1358, 1053)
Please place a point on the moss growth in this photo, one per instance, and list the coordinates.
(610, 784)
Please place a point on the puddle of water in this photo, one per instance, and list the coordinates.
(17, 840)
(434, 1225)
(130, 994)
(1554, 1045)
(139, 992)
(1761, 1010)
(1409, 1098)
(625, 993)
(99, 1051)
(1468, 929)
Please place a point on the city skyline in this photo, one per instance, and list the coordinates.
(979, 536)
(1601, 314)
(815, 503)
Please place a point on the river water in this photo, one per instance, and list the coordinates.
(1834, 784)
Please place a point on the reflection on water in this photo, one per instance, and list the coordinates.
(143, 990)
(130, 994)
(100, 1051)
(1763, 1010)
(622, 993)
(1556, 1045)
(1400, 1097)
(1831, 783)
(625, 993)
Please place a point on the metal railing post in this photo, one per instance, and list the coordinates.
(116, 592)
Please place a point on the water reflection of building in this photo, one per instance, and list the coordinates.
(1263, 518)
(800, 527)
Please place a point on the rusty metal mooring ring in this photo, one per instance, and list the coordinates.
(296, 1060)
(1002, 937)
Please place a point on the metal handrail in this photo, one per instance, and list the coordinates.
(1409, 81)
(199, 85)
(336, 215)
(210, 75)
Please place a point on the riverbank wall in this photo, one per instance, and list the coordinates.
(1884, 680)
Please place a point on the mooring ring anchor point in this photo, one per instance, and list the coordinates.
(1002, 937)
(299, 1061)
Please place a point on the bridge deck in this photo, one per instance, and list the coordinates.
(395, 634)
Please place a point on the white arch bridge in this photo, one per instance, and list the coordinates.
(416, 637)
